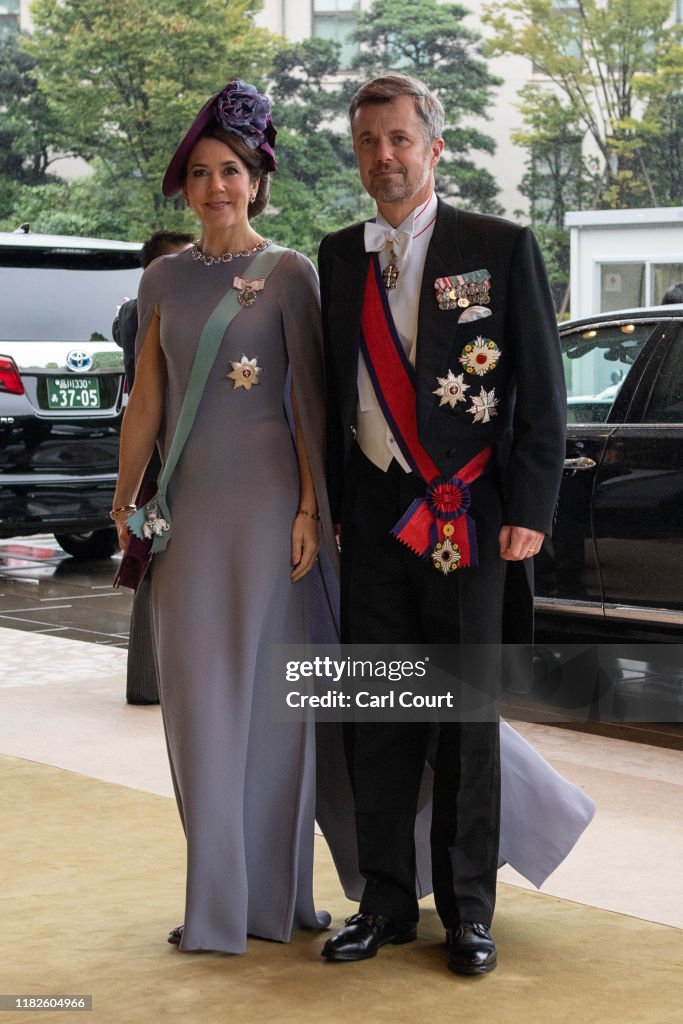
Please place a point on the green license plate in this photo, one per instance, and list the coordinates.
(73, 393)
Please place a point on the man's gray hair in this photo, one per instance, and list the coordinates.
(389, 87)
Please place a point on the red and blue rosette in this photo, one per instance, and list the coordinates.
(445, 505)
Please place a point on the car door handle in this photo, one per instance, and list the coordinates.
(582, 462)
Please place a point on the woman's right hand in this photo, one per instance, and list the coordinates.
(122, 527)
(140, 427)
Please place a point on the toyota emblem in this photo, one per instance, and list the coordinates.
(78, 361)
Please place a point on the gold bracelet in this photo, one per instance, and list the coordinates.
(311, 515)
(122, 508)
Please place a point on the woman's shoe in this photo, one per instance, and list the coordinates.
(176, 935)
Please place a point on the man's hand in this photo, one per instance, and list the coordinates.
(517, 543)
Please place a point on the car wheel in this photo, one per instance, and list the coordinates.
(94, 544)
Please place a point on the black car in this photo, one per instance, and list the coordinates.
(62, 388)
(613, 569)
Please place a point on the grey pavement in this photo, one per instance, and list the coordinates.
(44, 590)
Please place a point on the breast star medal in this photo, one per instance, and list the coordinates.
(483, 406)
(246, 289)
(391, 272)
(446, 556)
(245, 373)
(480, 356)
(451, 389)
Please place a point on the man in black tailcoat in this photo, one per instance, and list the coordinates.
(446, 389)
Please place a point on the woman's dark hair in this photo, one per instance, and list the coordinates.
(255, 162)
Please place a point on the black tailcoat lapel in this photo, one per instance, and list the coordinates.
(434, 329)
(343, 277)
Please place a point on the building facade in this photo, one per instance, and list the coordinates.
(621, 259)
(337, 19)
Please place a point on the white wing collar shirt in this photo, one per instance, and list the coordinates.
(410, 241)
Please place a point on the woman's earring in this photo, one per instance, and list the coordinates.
(252, 197)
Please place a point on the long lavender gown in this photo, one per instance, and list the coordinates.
(221, 594)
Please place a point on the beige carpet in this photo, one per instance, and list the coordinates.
(92, 880)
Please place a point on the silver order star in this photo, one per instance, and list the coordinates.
(245, 373)
(484, 406)
(451, 389)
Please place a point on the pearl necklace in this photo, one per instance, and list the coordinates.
(227, 257)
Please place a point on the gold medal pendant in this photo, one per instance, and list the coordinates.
(246, 289)
(446, 556)
(390, 274)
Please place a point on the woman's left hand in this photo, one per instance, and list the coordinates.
(305, 545)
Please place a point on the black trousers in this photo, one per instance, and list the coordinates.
(390, 595)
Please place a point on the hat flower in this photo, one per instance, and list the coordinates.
(242, 109)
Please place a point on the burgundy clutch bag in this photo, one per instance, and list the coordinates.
(137, 553)
(134, 564)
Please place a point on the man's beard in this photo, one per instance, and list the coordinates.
(398, 191)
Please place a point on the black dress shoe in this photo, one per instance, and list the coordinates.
(176, 935)
(364, 934)
(473, 950)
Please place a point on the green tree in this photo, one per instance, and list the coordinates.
(25, 121)
(317, 188)
(602, 124)
(661, 91)
(80, 206)
(26, 127)
(612, 68)
(123, 81)
(429, 39)
(558, 178)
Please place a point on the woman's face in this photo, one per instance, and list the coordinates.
(218, 185)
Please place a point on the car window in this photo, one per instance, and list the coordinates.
(666, 400)
(596, 363)
(79, 293)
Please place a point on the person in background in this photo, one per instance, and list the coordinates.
(141, 676)
(673, 294)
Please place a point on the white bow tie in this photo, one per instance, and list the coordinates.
(377, 237)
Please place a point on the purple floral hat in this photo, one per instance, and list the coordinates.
(239, 108)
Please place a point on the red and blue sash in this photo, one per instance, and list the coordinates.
(447, 500)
